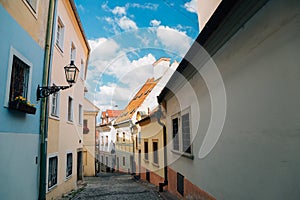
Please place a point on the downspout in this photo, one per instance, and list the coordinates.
(44, 101)
(158, 116)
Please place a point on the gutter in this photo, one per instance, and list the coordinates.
(158, 116)
(44, 101)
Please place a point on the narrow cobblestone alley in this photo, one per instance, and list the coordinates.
(110, 186)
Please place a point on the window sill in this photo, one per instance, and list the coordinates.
(68, 177)
(70, 122)
(52, 187)
(146, 161)
(155, 164)
(187, 155)
(59, 49)
(54, 117)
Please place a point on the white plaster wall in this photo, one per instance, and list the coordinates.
(257, 155)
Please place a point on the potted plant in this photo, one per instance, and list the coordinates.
(21, 104)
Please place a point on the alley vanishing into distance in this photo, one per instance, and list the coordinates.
(111, 186)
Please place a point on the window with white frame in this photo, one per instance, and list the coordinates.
(181, 132)
(69, 164)
(52, 172)
(55, 104)
(70, 109)
(60, 34)
(73, 52)
(19, 79)
(186, 133)
(80, 114)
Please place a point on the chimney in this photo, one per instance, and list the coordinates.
(160, 67)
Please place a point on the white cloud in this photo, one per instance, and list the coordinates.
(155, 22)
(191, 6)
(149, 6)
(126, 24)
(81, 8)
(174, 40)
(130, 74)
(119, 10)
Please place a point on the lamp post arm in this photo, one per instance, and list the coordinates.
(43, 92)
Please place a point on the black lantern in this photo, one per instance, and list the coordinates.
(71, 72)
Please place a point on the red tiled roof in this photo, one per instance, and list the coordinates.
(137, 100)
(111, 113)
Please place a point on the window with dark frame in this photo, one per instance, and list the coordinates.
(186, 135)
(19, 79)
(117, 137)
(52, 172)
(85, 126)
(69, 165)
(70, 109)
(106, 140)
(175, 134)
(155, 152)
(146, 150)
(180, 183)
(124, 161)
(124, 137)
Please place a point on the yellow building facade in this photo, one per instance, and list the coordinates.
(65, 121)
(90, 139)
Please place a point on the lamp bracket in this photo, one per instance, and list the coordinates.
(43, 92)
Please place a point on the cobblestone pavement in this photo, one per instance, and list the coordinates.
(110, 186)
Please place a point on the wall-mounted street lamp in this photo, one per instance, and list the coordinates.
(71, 72)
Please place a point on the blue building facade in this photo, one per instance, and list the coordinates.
(22, 60)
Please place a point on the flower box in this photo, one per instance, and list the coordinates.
(19, 106)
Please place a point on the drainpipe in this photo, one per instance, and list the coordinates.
(158, 116)
(44, 101)
(133, 150)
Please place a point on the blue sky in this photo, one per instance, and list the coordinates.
(127, 37)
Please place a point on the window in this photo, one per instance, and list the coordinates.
(54, 104)
(106, 140)
(52, 172)
(155, 152)
(82, 70)
(180, 183)
(19, 79)
(186, 135)
(123, 137)
(102, 141)
(117, 137)
(60, 34)
(32, 4)
(146, 149)
(73, 52)
(69, 165)
(85, 127)
(124, 161)
(80, 114)
(70, 109)
(175, 134)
